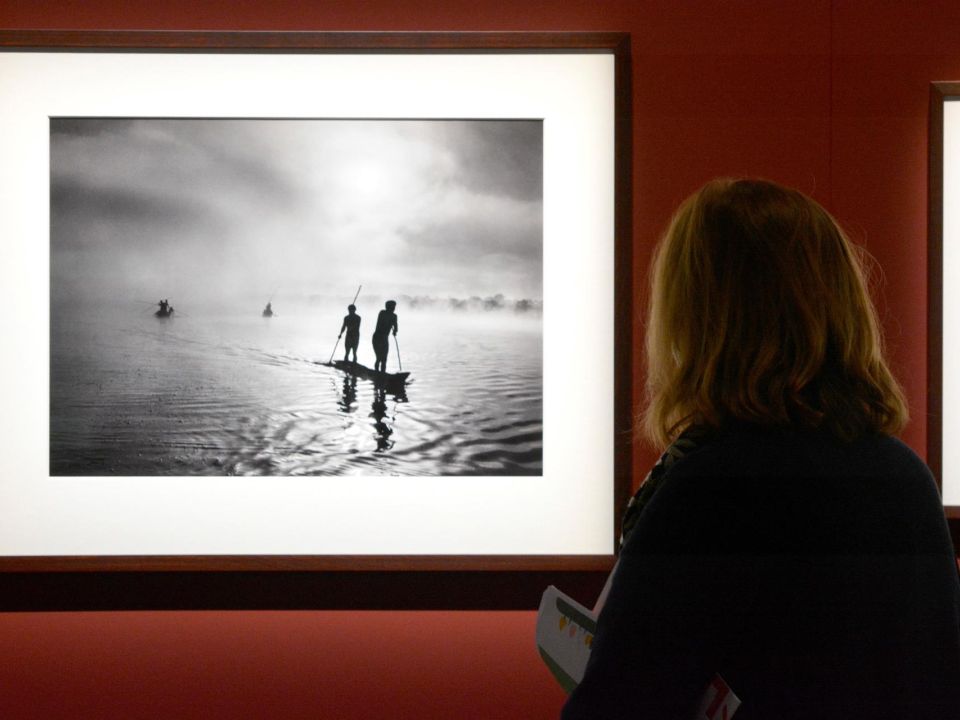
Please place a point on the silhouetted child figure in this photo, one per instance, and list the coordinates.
(351, 323)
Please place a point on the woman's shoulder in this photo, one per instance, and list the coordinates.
(745, 468)
(741, 449)
(745, 487)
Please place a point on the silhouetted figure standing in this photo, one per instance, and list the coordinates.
(386, 321)
(268, 310)
(351, 323)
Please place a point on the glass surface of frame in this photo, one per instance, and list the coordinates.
(446, 171)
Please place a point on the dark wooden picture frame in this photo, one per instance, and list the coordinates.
(940, 93)
(349, 581)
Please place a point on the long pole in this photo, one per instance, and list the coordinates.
(330, 361)
(395, 342)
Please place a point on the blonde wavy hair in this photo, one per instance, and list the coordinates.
(759, 311)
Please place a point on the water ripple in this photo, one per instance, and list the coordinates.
(250, 398)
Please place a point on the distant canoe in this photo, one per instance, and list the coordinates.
(162, 314)
(268, 313)
(391, 380)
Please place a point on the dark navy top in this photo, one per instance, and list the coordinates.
(816, 577)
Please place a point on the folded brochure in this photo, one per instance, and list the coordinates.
(565, 631)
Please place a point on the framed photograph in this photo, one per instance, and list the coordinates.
(302, 320)
(943, 332)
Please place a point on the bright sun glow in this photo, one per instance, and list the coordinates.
(366, 179)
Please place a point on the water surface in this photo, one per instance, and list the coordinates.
(230, 394)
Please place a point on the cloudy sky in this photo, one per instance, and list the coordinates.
(223, 209)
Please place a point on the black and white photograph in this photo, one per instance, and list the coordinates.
(335, 297)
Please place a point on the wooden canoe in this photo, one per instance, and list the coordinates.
(391, 380)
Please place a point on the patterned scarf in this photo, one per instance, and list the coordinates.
(685, 443)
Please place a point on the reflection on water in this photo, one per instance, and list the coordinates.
(382, 423)
(133, 395)
(348, 394)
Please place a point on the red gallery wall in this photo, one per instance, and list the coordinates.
(827, 95)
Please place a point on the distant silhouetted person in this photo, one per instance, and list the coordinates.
(386, 321)
(351, 323)
(268, 310)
